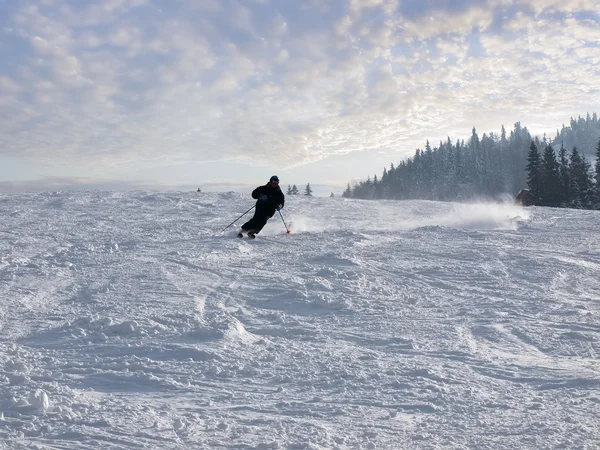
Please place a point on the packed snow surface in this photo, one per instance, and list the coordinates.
(131, 320)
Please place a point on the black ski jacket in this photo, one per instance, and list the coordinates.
(274, 197)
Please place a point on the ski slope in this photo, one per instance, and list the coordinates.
(129, 321)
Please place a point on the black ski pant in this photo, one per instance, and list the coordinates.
(257, 222)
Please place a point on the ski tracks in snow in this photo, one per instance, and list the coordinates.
(130, 323)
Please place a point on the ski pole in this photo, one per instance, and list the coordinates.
(238, 218)
(288, 230)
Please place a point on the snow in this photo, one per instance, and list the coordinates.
(129, 320)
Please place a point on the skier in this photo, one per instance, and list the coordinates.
(268, 199)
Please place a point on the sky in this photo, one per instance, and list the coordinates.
(227, 93)
(133, 320)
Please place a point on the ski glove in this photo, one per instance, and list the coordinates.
(262, 197)
(279, 207)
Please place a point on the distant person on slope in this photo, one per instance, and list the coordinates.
(269, 198)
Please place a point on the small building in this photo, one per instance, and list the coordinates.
(523, 197)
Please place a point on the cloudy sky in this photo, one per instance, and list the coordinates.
(322, 91)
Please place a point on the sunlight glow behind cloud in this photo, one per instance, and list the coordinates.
(146, 83)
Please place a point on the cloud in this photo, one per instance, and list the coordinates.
(8, 86)
(147, 83)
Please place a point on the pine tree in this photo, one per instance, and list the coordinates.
(295, 190)
(348, 192)
(574, 190)
(597, 177)
(580, 181)
(376, 188)
(533, 169)
(308, 190)
(563, 170)
(550, 178)
(289, 191)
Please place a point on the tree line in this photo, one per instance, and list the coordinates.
(293, 190)
(561, 180)
(488, 166)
